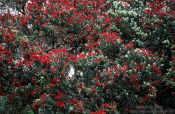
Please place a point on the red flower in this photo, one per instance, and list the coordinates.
(1, 92)
(0, 58)
(109, 74)
(54, 14)
(81, 56)
(54, 80)
(105, 105)
(24, 20)
(35, 106)
(156, 69)
(9, 61)
(43, 97)
(116, 74)
(98, 84)
(59, 104)
(53, 69)
(117, 19)
(34, 56)
(143, 100)
(59, 95)
(34, 92)
(129, 45)
(44, 59)
(123, 69)
(28, 63)
(11, 96)
(97, 60)
(98, 112)
(97, 78)
(51, 85)
(146, 11)
(74, 101)
(111, 37)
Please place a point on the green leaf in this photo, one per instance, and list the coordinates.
(29, 112)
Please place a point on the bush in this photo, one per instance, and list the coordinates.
(70, 56)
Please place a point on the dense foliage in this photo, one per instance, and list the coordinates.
(121, 53)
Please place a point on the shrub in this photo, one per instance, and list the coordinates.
(120, 53)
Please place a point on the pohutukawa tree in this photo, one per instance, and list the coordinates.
(121, 53)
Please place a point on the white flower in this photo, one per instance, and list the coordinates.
(71, 71)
